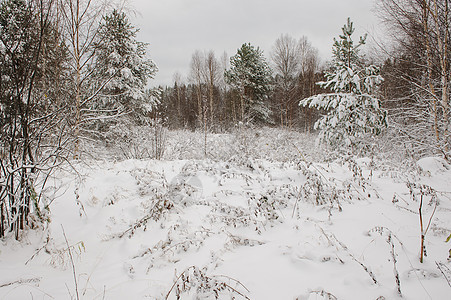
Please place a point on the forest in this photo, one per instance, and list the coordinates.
(247, 143)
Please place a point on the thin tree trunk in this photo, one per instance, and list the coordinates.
(422, 230)
(199, 103)
(232, 102)
(77, 80)
(205, 129)
(280, 98)
(424, 21)
(242, 107)
(211, 104)
(443, 48)
(177, 103)
(2, 218)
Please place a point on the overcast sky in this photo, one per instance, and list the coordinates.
(174, 29)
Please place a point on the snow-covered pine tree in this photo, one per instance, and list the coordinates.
(250, 75)
(122, 64)
(353, 113)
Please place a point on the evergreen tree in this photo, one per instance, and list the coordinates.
(17, 49)
(122, 64)
(353, 113)
(250, 75)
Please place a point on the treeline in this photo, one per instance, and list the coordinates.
(246, 88)
(249, 88)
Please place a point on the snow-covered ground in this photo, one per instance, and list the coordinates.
(264, 216)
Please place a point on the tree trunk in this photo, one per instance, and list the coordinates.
(443, 49)
(211, 101)
(199, 104)
(424, 21)
(242, 107)
(76, 46)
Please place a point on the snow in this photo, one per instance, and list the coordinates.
(433, 165)
(254, 223)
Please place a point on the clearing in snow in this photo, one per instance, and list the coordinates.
(261, 218)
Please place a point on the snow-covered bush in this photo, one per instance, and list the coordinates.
(128, 141)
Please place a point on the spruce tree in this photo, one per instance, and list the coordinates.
(250, 75)
(122, 64)
(352, 111)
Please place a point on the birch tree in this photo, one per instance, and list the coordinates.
(211, 73)
(286, 58)
(420, 62)
(196, 69)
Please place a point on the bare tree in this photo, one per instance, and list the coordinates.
(177, 86)
(197, 79)
(230, 109)
(420, 31)
(224, 65)
(212, 75)
(79, 22)
(286, 58)
(310, 67)
(441, 19)
(295, 64)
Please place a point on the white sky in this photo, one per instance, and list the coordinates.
(176, 28)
